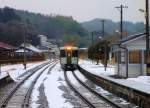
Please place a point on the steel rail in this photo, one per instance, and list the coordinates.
(34, 69)
(10, 94)
(95, 93)
(29, 92)
(77, 92)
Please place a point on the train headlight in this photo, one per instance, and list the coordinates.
(68, 48)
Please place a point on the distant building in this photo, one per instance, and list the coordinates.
(31, 53)
(48, 47)
(43, 40)
(129, 54)
(28, 49)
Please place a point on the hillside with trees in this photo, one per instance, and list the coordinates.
(111, 26)
(55, 26)
(15, 24)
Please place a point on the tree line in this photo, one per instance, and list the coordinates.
(15, 24)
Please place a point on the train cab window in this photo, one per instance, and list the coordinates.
(62, 53)
(75, 53)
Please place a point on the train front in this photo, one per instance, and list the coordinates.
(69, 58)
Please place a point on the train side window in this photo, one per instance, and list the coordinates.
(62, 53)
(75, 53)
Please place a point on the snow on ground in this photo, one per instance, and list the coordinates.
(72, 78)
(80, 75)
(142, 79)
(16, 70)
(141, 83)
(35, 93)
(53, 93)
(3, 75)
(97, 69)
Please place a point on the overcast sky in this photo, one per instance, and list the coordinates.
(81, 10)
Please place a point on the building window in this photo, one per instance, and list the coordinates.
(134, 56)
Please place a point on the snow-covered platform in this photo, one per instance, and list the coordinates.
(15, 70)
(141, 83)
(134, 89)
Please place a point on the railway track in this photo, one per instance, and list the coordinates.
(109, 96)
(100, 101)
(19, 96)
(96, 93)
(7, 85)
(77, 92)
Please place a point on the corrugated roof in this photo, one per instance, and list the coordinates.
(31, 47)
(21, 50)
(129, 38)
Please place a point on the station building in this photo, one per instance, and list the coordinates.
(130, 55)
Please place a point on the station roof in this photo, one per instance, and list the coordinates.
(129, 38)
(30, 47)
(22, 50)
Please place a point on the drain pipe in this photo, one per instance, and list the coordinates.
(126, 50)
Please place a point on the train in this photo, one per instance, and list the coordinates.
(69, 58)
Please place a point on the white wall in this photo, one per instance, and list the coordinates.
(133, 70)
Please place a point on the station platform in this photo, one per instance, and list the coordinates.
(135, 91)
(107, 75)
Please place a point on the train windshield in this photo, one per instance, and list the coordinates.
(62, 53)
(75, 53)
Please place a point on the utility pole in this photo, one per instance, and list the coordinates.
(103, 27)
(92, 43)
(105, 53)
(120, 8)
(24, 45)
(92, 38)
(147, 39)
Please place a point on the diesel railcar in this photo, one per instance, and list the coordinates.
(69, 58)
